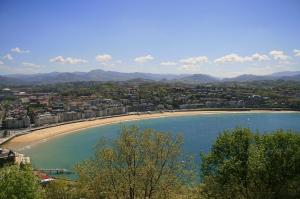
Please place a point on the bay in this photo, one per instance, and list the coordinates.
(199, 133)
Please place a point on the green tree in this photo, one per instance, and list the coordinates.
(18, 182)
(224, 169)
(145, 164)
(274, 166)
(62, 189)
(246, 165)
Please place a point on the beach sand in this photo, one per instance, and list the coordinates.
(42, 135)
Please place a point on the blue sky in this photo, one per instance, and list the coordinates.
(217, 37)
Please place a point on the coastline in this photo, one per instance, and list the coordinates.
(42, 135)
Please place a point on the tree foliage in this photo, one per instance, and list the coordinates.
(242, 164)
(62, 189)
(139, 164)
(18, 182)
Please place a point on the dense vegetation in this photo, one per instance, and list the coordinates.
(19, 182)
(246, 165)
(150, 164)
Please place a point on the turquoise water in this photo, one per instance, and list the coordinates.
(199, 133)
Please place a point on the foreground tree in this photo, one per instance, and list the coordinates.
(18, 182)
(145, 164)
(62, 189)
(246, 165)
(274, 165)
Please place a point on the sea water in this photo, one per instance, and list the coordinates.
(199, 133)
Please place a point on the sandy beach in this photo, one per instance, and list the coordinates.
(42, 135)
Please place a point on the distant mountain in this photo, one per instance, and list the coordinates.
(94, 75)
(7, 80)
(285, 73)
(101, 75)
(46, 78)
(294, 76)
(247, 78)
(199, 78)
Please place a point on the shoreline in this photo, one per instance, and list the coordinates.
(42, 135)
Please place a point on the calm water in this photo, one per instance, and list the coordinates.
(199, 133)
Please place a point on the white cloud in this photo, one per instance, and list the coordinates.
(8, 57)
(230, 59)
(31, 65)
(168, 63)
(278, 55)
(70, 60)
(235, 58)
(192, 64)
(58, 59)
(297, 52)
(190, 68)
(143, 59)
(67, 60)
(259, 57)
(19, 50)
(103, 58)
(194, 60)
(1, 62)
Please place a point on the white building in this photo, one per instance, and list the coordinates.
(46, 118)
(17, 123)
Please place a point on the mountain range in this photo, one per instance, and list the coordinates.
(101, 75)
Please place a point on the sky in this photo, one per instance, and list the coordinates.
(223, 38)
